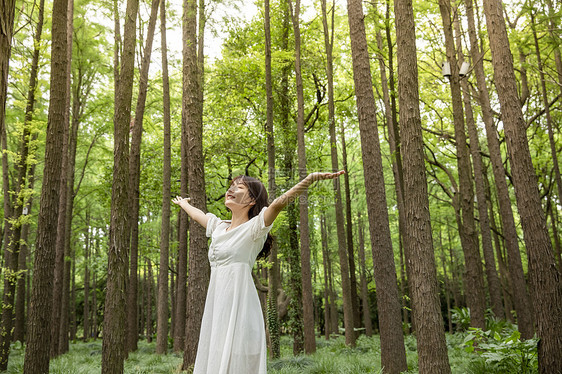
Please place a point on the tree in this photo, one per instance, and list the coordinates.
(134, 179)
(162, 317)
(114, 335)
(543, 273)
(516, 275)
(347, 285)
(473, 277)
(422, 278)
(307, 301)
(192, 119)
(393, 353)
(40, 307)
(274, 282)
(16, 232)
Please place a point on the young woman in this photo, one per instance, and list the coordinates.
(232, 338)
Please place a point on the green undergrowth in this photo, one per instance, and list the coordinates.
(471, 352)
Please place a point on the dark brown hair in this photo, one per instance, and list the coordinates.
(258, 193)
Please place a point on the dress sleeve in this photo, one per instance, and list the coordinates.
(259, 229)
(212, 224)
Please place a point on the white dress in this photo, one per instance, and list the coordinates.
(232, 338)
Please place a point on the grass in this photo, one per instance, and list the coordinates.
(331, 357)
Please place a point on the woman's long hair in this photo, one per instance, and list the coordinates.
(258, 193)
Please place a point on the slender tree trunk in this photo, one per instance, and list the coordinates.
(149, 285)
(327, 291)
(549, 121)
(364, 289)
(394, 144)
(393, 354)
(134, 179)
(192, 117)
(307, 300)
(473, 277)
(63, 345)
(87, 279)
(25, 180)
(487, 249)
(6, 33)
(114, 348)
(347, 284)
(291, 251)
(274, 281)
(163, 310)
(422, 277)
(181, 279)
(39, 324)
(517, 277)
(543, 274)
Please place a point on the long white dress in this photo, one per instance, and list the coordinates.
(232, 338)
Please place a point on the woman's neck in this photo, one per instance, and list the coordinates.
(238, 218)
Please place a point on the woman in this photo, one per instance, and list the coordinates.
(232, 338)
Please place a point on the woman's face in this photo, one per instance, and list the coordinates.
(238, 195)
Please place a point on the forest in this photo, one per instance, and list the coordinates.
(438, 251)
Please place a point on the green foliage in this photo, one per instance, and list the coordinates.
(461, 317)
(502, 350)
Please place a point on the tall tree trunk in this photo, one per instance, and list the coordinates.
(39, 324)
(549, 121)
(327, 291)
(473, 277)
(149, 285)
(13, 244)
(393, 354)
(6, 33)
(347, 285)
(394, 144)
(516, 275)
(422, 277)
(192, 118)
(134, 180)
(63, 345)
(114, 334)
(543, 274)
(307, 300)
(291, 250)
(487, 248)
(274, 281)
(86, 312)
(364, 289)
(163, 311)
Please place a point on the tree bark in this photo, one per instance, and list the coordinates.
(307, 300)
(473, 277)
(393, 354)
(163, 310)
(26, 179)
(40, 307)
(114, 334)
(364, 290)
(134, 180)
(422, 277)
(192, 118)
(274, 276)
(63, 345)
(516, 275)
(549, 121)
(485, 232)
(543, 274)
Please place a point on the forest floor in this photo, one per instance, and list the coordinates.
(332, 357)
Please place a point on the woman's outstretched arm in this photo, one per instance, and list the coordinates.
(195, 213)
(282, 201)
